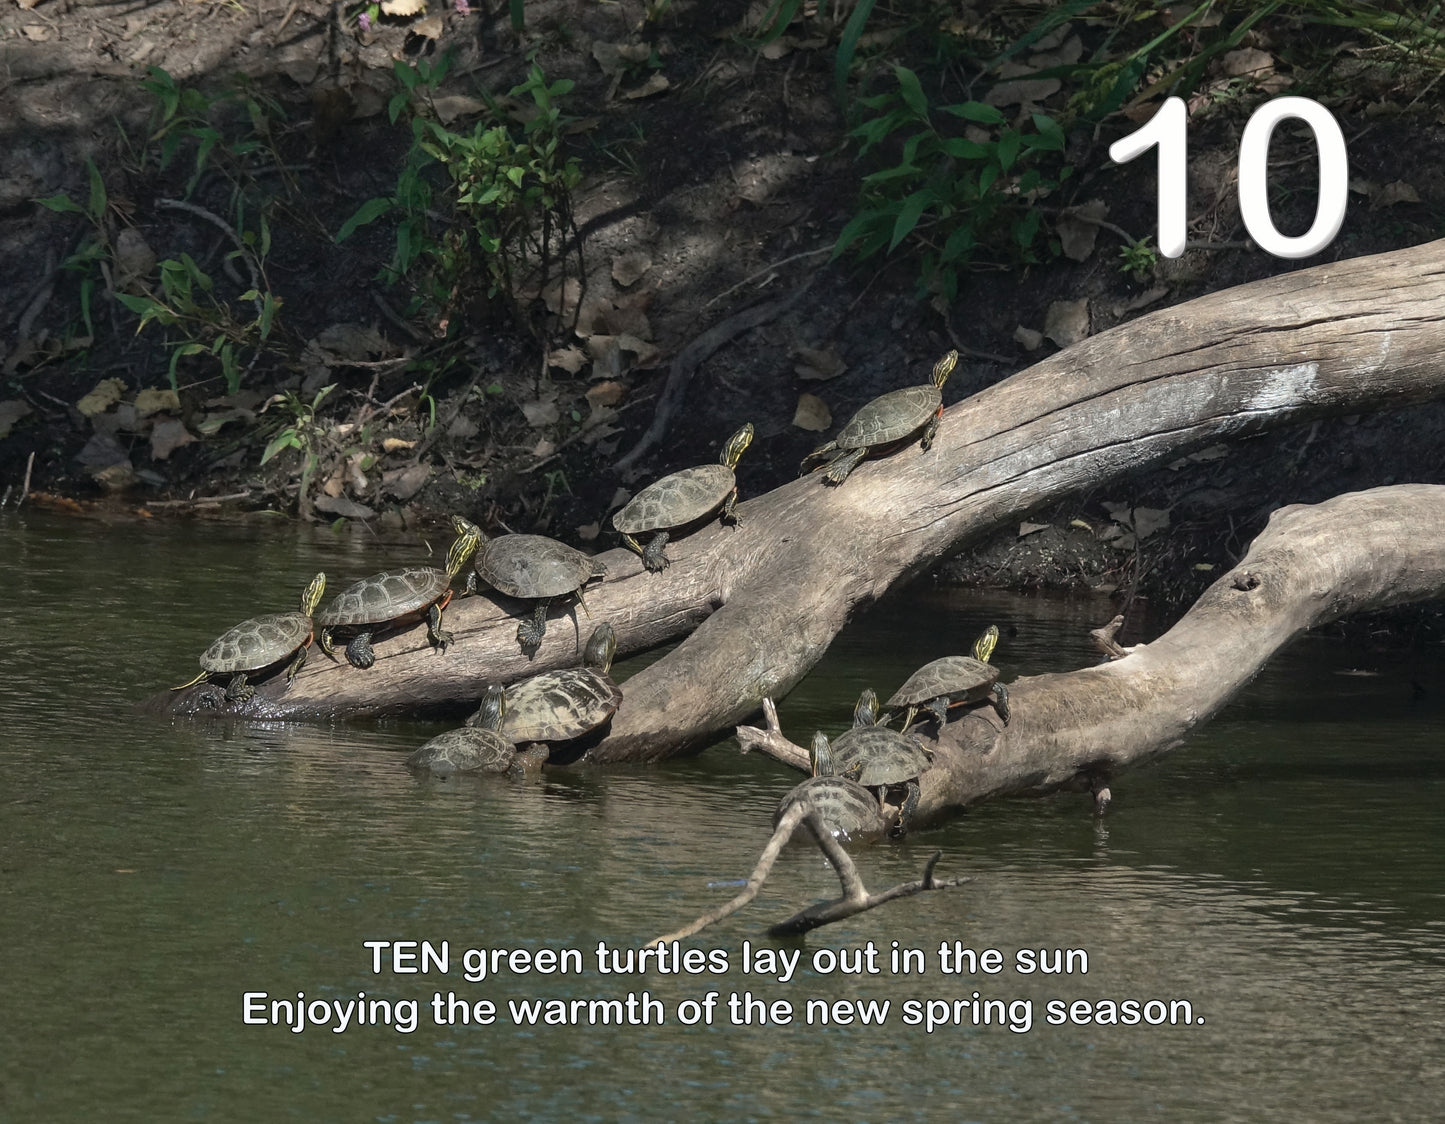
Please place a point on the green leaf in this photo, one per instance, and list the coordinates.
(1008, 148)
(86, 288)
(852, 231)
(286, 439)
(892, 174)
(975, 111)
(176, 356)
(369, 211)
(519, 19)
(269, 306)
(912, 91)
(95, 208)
(964, 149)
(1051, 134)
(912, 211)
(61, 204)
(848, 45)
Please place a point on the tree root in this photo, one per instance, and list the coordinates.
(854, 900)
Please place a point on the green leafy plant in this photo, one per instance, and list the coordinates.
(299, 430)
(1138, 259)
(950, 196)
(512, 186)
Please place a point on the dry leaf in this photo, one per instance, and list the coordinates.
(1148, 520)
(403, 483)
(1067, 322)
(1247, 62)
(168, 435)
(429, 28)
(335, 483)
(1027, 338)
(1392, 193)
(589, 531)
(360, 342)
(1077, 234)
(211, 424)
(570, 359)
(541, 413)
(1031, 528)
(812, 414)
(451, 106)
(340, 505)
(106, 394)
(608, 393)
(134, 259)
(402, 7)
(818, 364)
(627, 269)
(152, 400)
(396, 445)
(544, 448)
(654, 85)
(36, 32)
(11, 411)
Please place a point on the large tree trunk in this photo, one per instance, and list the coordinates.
(1311, 565)
(766, 598)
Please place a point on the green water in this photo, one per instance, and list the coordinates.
(1282, 872)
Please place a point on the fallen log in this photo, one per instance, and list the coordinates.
(762, 601)
(1311, 565)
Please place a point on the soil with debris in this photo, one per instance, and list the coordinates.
(716, 179)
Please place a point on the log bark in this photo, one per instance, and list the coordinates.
(762, 601)
(1311, 565)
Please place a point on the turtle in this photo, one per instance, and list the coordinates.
(847, 809)
(256, 644)
(877, 758)
(396, 597)
(535, 568)
(477, 747)
(563, 706)
(954, 681)
(680, 500)
(887, 422)
(865, 711)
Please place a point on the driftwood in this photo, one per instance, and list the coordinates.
(763, 600)
(855, 898)
(1311, 565)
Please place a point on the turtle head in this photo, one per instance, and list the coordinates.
(866, 712)
(493, 709)
(601, 648)
(464, 546)
(311, 595)
(737, 445)
(943, 368)
(820, 754)
(983, 647)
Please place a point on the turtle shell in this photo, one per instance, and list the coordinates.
(257, 643)
(385, 597)
(847, 808)
(534, 566)
(890, 417)
(960, 678)
(883, 756)
(559, 705)
(469, 749)
(676, 500)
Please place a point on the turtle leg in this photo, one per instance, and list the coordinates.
(727, 511)
(439, 637)
(296, 665)
(1000, 701)
(636, 547)
(820, 452)
(359, 653)
(939, 709)
(905, 813)
(533, 628)
(238, 690)
(930, 429)
(325, 641)
(838, 470)
(653, 557)
(908, 718)
(192, 683)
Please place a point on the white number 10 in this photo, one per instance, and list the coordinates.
(1167, 129)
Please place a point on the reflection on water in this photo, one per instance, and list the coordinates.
(1281, 872)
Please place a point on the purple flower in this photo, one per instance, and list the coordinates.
(461, 6)
(363, 21)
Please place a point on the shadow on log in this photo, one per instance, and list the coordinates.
(762, 601)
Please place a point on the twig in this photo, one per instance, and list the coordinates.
(230, 232)
(41, 299)
(391, 314)
(765, 271)
(25, 487)
(202, 502)
(680, 373)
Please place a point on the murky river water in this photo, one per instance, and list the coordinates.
(1281, 873)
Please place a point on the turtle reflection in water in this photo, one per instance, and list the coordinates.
(884, 424)
(256, 644)
(398, 597)
(682, 500)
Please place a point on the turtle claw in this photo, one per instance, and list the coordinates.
(239, 691)
(532, 629)
(653, 557)
(840, 467)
